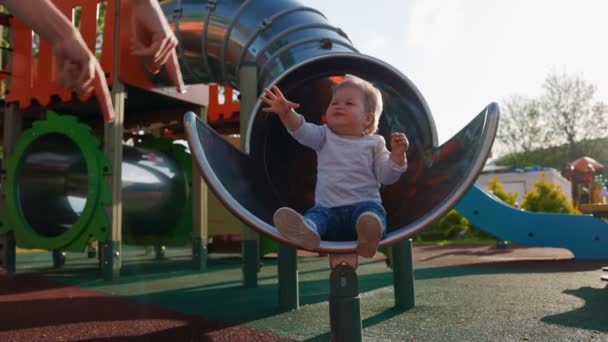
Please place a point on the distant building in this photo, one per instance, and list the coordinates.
(522, 181)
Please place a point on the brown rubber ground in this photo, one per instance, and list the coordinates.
(44, 310)
(36, 308)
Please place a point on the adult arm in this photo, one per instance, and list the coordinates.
(154, 41)
(77, 68)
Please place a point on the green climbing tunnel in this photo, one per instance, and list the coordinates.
(56, 193)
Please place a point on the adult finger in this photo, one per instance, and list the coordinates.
(162, 44)
(88, 84)
(87, 73)
(175, 73)
(141, 50)
(103, 94)
(165, 52)
(64, 75)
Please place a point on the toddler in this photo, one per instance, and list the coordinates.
(352, 162)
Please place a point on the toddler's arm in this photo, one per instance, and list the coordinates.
(305, 133)
(282, 107)
(388, 166)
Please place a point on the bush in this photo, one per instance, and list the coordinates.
(495, 187)
(547, 198)
(447, 228)
(454, 226)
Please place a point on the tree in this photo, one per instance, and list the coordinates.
(521, 127)
(495, 187)
(548, 198)
(572, 115)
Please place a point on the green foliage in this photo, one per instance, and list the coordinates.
(448, 227)
(564, 123)
(547, 198)
(521, 128)
(452, 226)
(558, 156)
(495, 187)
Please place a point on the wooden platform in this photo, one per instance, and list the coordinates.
(596, 209)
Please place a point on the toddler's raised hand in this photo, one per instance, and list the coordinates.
(277, 102)
(399, 146)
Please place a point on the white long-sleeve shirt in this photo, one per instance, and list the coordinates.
(349, 170)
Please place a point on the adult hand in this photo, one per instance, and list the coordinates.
(77, 69)
(277, 102)
(154, 41)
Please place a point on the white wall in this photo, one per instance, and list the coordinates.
(523, 182)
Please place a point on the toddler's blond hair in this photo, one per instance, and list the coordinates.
(372, 98)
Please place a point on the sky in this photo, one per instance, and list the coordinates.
(464, 54)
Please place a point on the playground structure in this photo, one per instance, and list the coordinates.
(274, 171)
(584, 173)
(61, 189)
(295, 48)
(589, 191)
(585, 236)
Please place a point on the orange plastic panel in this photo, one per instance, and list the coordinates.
(221, 111)
(34, 78)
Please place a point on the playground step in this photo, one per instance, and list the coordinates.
(605, 268)
(604, 278)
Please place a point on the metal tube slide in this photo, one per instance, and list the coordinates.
(294, 47)
(432, 186)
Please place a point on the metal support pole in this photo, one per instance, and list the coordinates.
(344, 304)
(113, 132)
(403, 274)
(199, 215)
(289, 292)
(12, 131)
(112, 249)
(8, 253)
(59, 257)
(250, 248)
(160, 252)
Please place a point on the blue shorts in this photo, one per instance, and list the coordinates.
(338, 223)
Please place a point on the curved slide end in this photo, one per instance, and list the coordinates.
(584, 235)
(437, 178)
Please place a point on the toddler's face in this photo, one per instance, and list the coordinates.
(346, 113)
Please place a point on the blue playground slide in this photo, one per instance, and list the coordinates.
(585, 236)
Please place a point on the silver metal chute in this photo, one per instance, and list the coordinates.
(218, 37)
(439, 179)
(294, 47)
